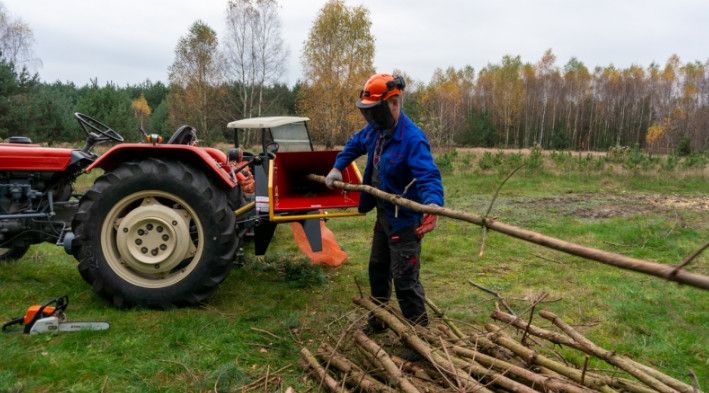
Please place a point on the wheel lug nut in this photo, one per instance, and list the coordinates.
(174, 222)
(163, 247)
(144, 250)
(125, 230)
(141, 232)
(149, 227)
(154, 251)
(159, 228)
(138, 241)
(165, 237)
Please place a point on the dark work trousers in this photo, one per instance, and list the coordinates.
(395, 257)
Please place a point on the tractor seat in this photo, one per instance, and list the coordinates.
(19, 139)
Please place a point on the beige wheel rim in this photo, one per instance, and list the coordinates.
(146, 239)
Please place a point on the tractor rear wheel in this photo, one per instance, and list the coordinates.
(154, 233)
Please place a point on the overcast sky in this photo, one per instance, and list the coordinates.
(128, 41)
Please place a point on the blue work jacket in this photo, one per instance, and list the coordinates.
(405, 155)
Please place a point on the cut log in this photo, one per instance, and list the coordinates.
(383, 358)
(408, 336)
(321, 375)
(531, 356)
(560, 339)
(354, 374)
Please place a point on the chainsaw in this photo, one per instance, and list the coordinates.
(50, 318)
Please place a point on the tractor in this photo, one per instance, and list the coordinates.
(165, 222)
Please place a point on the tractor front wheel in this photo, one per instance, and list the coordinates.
(154, 233)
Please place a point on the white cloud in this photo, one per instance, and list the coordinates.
(129, 41)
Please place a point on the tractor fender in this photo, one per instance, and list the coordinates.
(214, 162)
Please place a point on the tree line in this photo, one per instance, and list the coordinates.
(44, 111)
(515, 104)
(511, 103)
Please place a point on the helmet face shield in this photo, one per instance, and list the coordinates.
(373, 99)
(378, 116)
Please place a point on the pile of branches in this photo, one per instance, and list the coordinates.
(507, 356)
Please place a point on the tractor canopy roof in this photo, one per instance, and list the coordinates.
(266, 122)
(290, 132)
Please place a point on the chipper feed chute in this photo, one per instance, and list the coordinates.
(293, 198)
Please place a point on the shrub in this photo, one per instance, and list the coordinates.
(534, 159)
(617, 154)
(296, 270)
(489, 161)
(597, 163)
(466, 159)
(584, 163)
(302, 274)
(444, 161)
(513, 161)
(695, 161)
(636, 159)
(684, 147)
(562, 159)
(670, 163)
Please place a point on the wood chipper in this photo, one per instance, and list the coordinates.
(165, 221)
(282, 192)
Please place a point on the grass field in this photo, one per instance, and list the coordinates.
(661, 216)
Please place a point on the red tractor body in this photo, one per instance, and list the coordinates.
(164, 223)
(32, 157)
(213, 160)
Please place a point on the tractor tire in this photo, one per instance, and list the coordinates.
(154, 233)
(13, 253)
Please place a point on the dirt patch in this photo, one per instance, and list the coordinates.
(592, 205)
(679, 202)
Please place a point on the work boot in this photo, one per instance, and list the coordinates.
(374, 326)
(411, 355)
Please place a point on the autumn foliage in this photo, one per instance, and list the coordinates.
(515, 104)
(337, 60)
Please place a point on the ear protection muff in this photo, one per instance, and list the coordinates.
(398, 82)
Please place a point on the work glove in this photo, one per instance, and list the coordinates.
(428, 224)
(334, 174)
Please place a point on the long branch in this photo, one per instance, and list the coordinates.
(652, 268)
(610, 357)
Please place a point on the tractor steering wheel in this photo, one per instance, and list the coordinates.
(89, 124)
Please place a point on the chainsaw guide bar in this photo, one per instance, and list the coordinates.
(50, 318)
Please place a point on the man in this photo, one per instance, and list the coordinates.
(399, 162)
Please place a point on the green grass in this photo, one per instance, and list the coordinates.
(656, 322)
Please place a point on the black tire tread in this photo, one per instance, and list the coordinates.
(189, 177)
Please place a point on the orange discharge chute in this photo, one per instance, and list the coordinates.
(331, 254)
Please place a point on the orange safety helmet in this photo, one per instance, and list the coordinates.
(378, 88)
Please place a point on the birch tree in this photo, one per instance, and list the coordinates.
(195, 79)
(337, 60)
(16, 40)
(255, 54)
